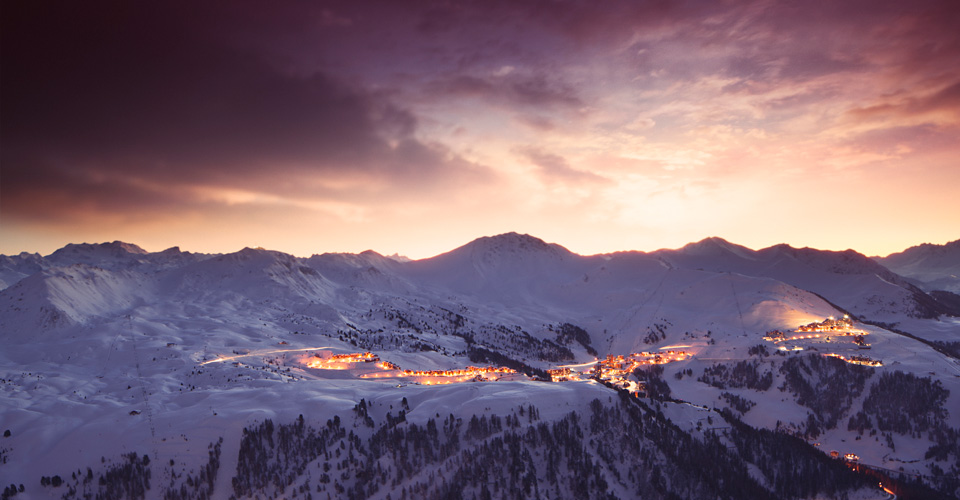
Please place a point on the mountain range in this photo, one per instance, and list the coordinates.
(933, 267)
(178, 358)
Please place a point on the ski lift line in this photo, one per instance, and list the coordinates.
(143, 389)
(736, 300)
(106, 363)
(653, 317)
(636, 311)
(221, 359)
(103, 370)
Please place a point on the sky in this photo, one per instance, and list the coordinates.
(416, 127)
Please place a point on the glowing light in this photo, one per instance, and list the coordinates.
(221, 359)
(857, 360)
(388, 369)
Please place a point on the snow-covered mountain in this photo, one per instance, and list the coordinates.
(14, 268)
(848, 279)
(220, 375)
(934, 267)
(113, 256)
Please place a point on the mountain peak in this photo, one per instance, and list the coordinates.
(258, 253)
(715, 245)
(127, 247)
(924, 250)
(513, 243)
(108, 255)
(709, 241)
(399, 258)
(936, 266)
(374, 256)
(115, 247)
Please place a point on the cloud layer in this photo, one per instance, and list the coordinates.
(667, 120)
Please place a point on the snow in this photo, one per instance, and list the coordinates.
(95, 332)
(934, 267)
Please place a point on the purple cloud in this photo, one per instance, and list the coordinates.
(100, 99)
(555, 168)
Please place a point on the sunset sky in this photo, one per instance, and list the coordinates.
(415, 127)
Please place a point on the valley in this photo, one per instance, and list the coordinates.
(183, 363)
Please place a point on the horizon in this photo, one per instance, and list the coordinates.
(413, 258)
(345, 126)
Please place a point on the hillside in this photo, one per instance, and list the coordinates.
(934, 267)
(257, 373)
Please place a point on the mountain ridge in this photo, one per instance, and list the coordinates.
(930, 266)
(503, 240)
(507, 264)
(165, 350)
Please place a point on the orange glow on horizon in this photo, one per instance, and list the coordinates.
(638, 139)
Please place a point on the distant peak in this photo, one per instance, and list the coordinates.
(715, 245)
(781, 249)
(399, 258)
(377, 257)
(782, 246)
(115, 246)
(130, 247)
(251, 252)
(508, 246)
(514, 243)
(257, 257)
(808, 251)
(950, 244)
(926, 249)
(712, 241)
(522, 241)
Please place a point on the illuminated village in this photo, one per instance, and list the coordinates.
(380, 369)
(842, 325)
(857, 360)
(341, 361)
(439, 377)
(832, 333)
(618, 371)
(615, 370)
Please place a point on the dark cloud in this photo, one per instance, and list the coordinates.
(907, 105)
(778, 43)
(581, 21)
(555, 168)
(537, 122)
(133, 105)
(37, 192)
(905, 141)
(946, 98)
(98, 97)
(531, 91)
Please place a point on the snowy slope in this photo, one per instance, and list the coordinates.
(113, 255)
(848, 279)
(503, 268)
(66, 296)
(163, 354)
(935, 267)
(14, 268)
